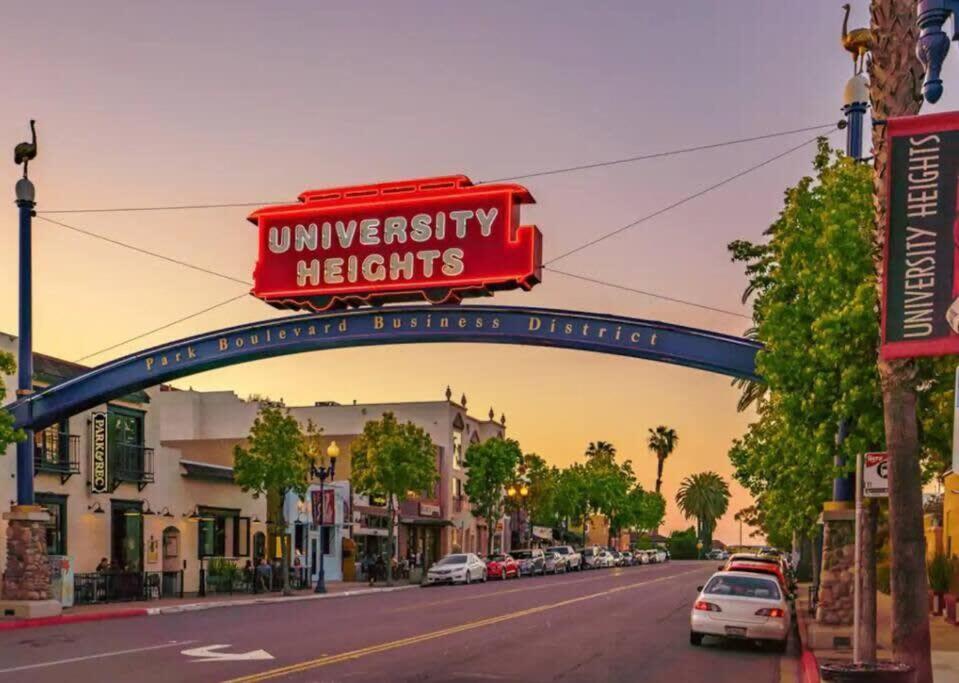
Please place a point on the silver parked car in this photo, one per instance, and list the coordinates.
(574, 560)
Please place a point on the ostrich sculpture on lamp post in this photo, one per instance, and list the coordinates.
(26, 151)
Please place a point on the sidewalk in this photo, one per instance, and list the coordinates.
(944, 636)
(126, 610)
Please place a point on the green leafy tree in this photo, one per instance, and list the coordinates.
(275, 458)
(682, 544)
(704, 496)
(492, 467)
(8, 434)
(662, 442)
(650, 510)
(391, 458)
(815, 308)
(541, 481)
(608, 484)
(572, 498)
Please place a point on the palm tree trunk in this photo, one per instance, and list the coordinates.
(660, 459)
(895, 76)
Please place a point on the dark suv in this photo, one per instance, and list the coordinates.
(531, 562)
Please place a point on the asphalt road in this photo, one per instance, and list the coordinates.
(626, 624)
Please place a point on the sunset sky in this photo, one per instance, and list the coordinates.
(144, 104)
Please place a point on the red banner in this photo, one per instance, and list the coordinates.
(438, 239)
(328, 509)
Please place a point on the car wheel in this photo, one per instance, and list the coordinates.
(695, 638)
(484, 576)
(468, 579)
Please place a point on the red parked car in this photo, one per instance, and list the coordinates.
(759, 568)
(501, 567)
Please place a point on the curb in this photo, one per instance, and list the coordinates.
(808, 664)
(72, 619)
(189, 607)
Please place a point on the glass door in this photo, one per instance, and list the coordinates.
(126, 535)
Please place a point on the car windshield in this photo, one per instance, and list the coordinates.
(452, 559)
(562, 550)
(742, 587)
(522, 554)
(497, 558)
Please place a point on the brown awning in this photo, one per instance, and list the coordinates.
(425, 521)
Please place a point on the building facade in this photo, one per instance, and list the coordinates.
(154, 515)
(430, 524)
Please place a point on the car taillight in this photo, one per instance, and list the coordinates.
(770, 612)
(704, 606)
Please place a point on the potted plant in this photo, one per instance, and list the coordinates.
(940, 575)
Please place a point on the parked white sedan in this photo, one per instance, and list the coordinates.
(457, 568)
(741, 605)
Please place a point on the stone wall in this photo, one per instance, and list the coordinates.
(837, 580)
(27, 575)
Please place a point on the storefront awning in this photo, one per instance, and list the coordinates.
(425, 521)
(204, 470)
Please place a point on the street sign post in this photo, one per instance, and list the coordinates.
(875, 475)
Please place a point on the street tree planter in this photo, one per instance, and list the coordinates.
(950, 601)
(880, 672)
(936, 603)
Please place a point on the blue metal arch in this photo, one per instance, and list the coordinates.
(611, 334)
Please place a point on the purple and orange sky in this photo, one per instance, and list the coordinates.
(143, 104)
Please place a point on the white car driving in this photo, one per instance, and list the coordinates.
(741, 605)
(457, 568)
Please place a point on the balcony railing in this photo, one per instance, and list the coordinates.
(57, 453)
(459, 504)
(133, 463)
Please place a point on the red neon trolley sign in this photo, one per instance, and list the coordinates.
(439, 239)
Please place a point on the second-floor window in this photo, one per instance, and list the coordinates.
(458, 449)
(128, 457)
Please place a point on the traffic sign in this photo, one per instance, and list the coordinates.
(875, 475)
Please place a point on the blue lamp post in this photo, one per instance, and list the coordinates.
(323, 473)
(24, 153)
(933, 44)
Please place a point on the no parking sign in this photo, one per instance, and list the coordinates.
(875, 475)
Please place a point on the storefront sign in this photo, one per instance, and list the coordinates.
(920, 312)
(328, 508)
(875, 475)
(100, 468)
(543, 532)
(438, 239)
(429, 510)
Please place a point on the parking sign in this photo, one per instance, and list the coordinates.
(875, 475)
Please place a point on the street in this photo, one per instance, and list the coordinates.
(620, 624)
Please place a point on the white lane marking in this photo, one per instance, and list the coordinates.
(208, 653)
(99, 655)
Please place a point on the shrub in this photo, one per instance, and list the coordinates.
(940, 574)
(682, 545)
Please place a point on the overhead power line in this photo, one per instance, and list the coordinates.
(684, 200)
(659, 155)
(163, 327)
(655, 295)
(141, 250)
(532, 174)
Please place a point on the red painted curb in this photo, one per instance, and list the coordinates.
(808, 664)
(71, 619)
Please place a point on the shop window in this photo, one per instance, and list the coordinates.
(218, 532)
(57, 524)
(241, 539)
